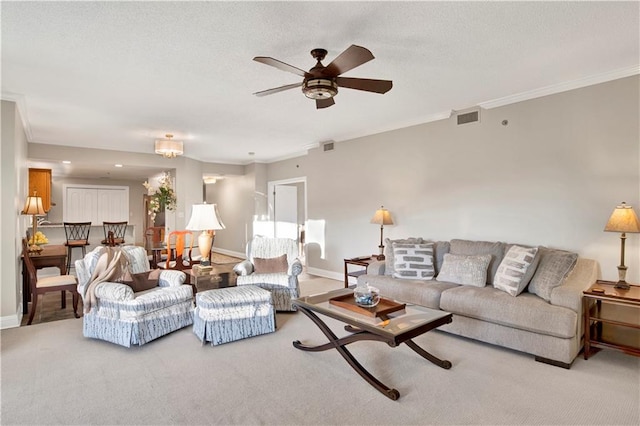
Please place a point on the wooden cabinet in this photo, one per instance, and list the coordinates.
(40, 181)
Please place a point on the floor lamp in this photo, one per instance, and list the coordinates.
(382, 217)
(33, 206)
(623, 219)
(205, 218)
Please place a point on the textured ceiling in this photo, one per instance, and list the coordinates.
(117, 75)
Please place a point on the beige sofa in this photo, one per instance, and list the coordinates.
(546, 322)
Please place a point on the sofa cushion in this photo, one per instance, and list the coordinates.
(142, 281)
(413, 261)
(526, 312)
(272, 265)
(516, 269)
(465, 270)
(474, 248)
(388, 252)
(439, 250)
(420, 292)
(553, 268)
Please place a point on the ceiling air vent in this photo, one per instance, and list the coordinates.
(327, 146)
(469, 116)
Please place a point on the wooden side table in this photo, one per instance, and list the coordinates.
(361, 263)
(611, 318)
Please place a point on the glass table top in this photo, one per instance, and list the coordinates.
(396, 323)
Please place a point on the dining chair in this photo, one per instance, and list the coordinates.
(114, 233)
(153, 242)
(77, 234)
(179, 248)
(47, 284)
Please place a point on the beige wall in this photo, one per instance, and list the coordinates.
(13, 192)
(550, 177)
(236, 200)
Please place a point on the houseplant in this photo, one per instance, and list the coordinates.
(163, 198)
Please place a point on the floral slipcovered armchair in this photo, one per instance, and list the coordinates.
(120, 316)
(272, 264)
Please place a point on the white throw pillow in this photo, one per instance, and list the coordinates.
(516, 269)
(465, 270)
(413, 261)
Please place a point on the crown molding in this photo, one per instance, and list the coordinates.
(21, 102)
(562, 87)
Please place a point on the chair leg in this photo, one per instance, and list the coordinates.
(34, 305)
(76, 297)
(68, 258)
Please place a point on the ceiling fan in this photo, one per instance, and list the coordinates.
(321, 83)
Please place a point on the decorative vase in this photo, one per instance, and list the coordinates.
(366, 296)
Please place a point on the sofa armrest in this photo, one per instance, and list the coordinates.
(569, 294)
(295, 268)
(171, 278)
(114, 292)
(376, 267)
(243, 268)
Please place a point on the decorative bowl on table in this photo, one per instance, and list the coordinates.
(366, 296)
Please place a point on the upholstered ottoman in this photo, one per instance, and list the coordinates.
(233, 313)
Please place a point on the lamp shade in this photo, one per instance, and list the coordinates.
(204, 217)
(623, 219)
(169, 148)
(382, 217)
(33, 206)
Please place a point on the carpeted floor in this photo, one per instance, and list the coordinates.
(51, 374)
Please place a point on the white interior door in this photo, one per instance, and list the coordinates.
(285, 207)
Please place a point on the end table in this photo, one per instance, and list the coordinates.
(611, 318)
(209, 280)
(362, 263)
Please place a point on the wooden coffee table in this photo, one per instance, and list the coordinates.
(393, 329)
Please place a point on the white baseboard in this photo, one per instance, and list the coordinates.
(327, 274)
(12, 321)
(230, 253)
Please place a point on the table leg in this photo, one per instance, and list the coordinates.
(26, 290)
(437, 361)
(340, 345)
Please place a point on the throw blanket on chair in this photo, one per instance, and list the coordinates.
(111, 266)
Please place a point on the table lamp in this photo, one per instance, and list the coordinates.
(623, 219)
(382, 217)
(205, 218)
(33, 206)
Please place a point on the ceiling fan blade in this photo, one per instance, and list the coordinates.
(324, 103)
(277, 89)
(280, 65)
(366, 84)
(352, 57)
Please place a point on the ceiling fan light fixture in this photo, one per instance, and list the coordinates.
(319, 88)
(169, 148)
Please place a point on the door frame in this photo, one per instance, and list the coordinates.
(271, 211)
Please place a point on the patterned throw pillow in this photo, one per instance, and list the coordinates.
(465, 270)
(389, 259)
(272, 265)
(413, 261)
(516, 269)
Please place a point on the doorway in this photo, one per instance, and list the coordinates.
(287, 201)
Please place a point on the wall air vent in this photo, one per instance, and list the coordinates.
(469, 116)
(327, 146)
